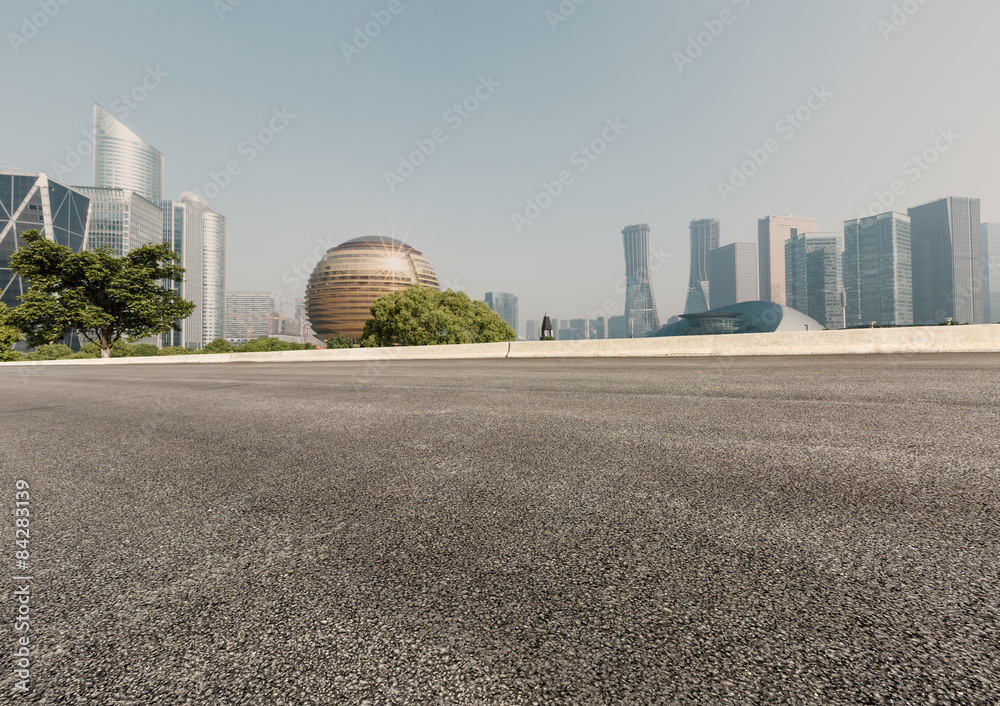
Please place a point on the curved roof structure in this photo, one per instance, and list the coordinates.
(745, 317)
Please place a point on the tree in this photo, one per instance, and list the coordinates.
(102, 296)
(261, 345)
(422, 316)
(338, 341)
(9, 335)
(220, 345)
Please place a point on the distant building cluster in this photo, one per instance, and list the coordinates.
(124, 210)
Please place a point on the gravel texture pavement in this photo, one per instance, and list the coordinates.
(820, 530)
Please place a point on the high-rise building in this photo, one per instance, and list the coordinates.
(123, 160)
(704, 239)
(813, 283)
(33, 201)
(249, 315)
(947, 261)
(173, 235)
(618, 327)
(505, 305)
(772, 232)
(991, 272)
(205, 271)
(121, 220)
(532, 330)
(732, 274)
(877, 276)
(640, 307)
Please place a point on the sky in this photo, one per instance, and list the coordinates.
(512, 141)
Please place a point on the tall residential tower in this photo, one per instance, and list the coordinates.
(640, 307)
(704, 239)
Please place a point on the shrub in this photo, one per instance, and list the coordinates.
(144, 349)
(174, 350)
(50, 351)
(220, 345)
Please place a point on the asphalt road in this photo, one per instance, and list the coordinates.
(703, 531)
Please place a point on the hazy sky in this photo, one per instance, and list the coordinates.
(662, 124)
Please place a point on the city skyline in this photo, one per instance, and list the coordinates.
(269, 141)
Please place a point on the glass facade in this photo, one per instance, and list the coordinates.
(813, 281)
(350, 276)
(205, 271)
(123, 160)
(640, 307)
(504, 304)
(878, 278)
(173, 235)
(947, 261)
(772, 232)
(704, 239)
(991, 272)
(121, 220)
(732, 274)
(741, 317)
(35, 202)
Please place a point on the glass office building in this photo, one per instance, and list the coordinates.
(249, 315)
(121, 220)
(205, 271)
(123, 160)
(772, 232)
(878, 279)
(704, 238)
(732, 274)
(813, 281)
(173, 235)
(505, 305)
(947, 261)
(640, 307)
(33, 201)
(991, 272)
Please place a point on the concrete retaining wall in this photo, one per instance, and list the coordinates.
(925, 339)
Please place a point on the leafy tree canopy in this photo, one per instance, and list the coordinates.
(105, 297)
(220, 345)
(9, 335)
(338, 341)
(259, 345)
(422, 316)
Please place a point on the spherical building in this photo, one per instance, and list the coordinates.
(353, 274)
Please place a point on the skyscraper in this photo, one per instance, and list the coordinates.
(121, 220)
(532, 330)
(640, 307)
(505, 305)
(205, 275)
(947, 261)
(991, 272)
(878, 280)
(813, 281)
(123, 160)
(33, 201)
(732, 274)
(704, 239)
(772, 232)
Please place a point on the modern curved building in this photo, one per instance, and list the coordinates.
(352, 275)
(745, 317)
(123, 160)
(205, 270)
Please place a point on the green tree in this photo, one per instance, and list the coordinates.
(104, 297)
(171, 350)
(9, 335)
(338, 341)
(422, 316)
(220, 345)
(260, 345)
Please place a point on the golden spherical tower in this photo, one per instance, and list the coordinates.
(352, 275)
